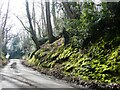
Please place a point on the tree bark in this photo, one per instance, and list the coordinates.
(54, 16)
(3, 35)
(32, 31)
(49, 26)
(68, 10)
(0, 42)
(44, 25)
(34, 16)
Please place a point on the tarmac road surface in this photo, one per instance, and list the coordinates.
(23, 77)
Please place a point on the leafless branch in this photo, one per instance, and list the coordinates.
(1, 9)
(8, 29)
(11, 37)
(22, 23)
(6, 17)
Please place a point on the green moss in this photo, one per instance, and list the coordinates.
(98, 64)
(101, 62)
(66, 53)
(32, 60)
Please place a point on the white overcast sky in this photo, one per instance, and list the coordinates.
(17, 7)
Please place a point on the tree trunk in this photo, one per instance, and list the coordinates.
(54, 16)
(68, 10)
(34, 16)
(4, 35)
(32, 31)
(43, 22)
(0, 42)
(49, 26)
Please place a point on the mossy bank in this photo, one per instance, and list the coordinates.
(99, 63)
(3, 60)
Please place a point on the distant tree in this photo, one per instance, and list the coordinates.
(43, 22)
(32, 31)
(72, 9)
(54, 16)
(15, 48)
(7, 38)
(4, 29)
(0, 43)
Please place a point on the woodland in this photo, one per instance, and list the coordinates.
(75, 41)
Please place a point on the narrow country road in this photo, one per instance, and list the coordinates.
(23, 77)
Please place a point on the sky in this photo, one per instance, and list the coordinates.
(17, 7)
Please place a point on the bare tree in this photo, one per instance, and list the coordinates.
(6, 39)
(69, 12)
(54, 16)
(0, 34)
(0, 42)
(32, 31)
(40, 30)
(34, 16)
(70, 9)
(49, 26)
(5, 20)
(3, 28)
(43, 23)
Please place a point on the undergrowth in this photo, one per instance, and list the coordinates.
(101, 61)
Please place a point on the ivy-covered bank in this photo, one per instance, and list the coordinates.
(92, 52)
(3, 61)
(99, 62)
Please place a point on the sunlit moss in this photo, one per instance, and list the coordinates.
(98, 63)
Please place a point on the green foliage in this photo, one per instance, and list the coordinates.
(67, 52)
(98, 63)
(16, 50)
(2, 57)
(81, 28)
(99, 32)
(3, 60)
